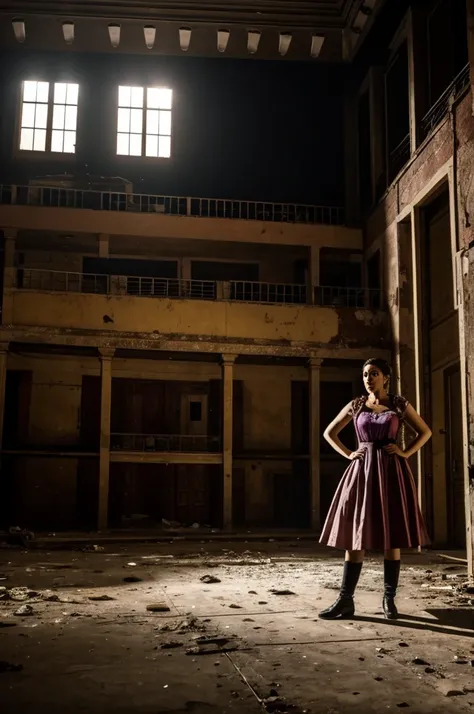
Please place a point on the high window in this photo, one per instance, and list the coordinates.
(144, 121)
(49, 117)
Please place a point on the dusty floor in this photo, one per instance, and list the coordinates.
(76, 653)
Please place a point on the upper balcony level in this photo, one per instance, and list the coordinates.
(62, 207)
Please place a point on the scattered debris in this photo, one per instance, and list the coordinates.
(20, 594)
(262, 602)
(158, 607)
(284, 591)
(252, 592)
(235, 607)
(100, 598)
(403, 644)
(418, 660)
(24, 611)
(132, 579)
(209, 579)
(172, 644)
(8, 667)
(7, 624)
(93, 549)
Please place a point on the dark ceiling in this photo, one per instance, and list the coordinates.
(338, 24)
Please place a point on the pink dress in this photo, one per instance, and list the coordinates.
(375, 506)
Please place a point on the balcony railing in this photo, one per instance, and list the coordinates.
(331, 296)
(399, 157)
(175, 288)
(170, 205)
(160, 443)
(441, 107)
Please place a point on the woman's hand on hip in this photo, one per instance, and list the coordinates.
(394, 450)
(357, 455)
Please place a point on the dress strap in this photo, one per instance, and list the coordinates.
(399, 404)
(357, 405)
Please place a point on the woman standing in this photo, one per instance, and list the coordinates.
(375, 506)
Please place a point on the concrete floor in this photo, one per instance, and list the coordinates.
(273, 654)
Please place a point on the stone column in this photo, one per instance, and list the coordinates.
(313, 273)
(3, 382)
(227, 430)
(106, 356)
(470, 40)
(9, 275)
(314, 395)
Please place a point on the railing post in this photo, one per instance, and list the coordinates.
(188, 206)
(313, 273)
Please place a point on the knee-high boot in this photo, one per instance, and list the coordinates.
(344, 605)
(391, 576)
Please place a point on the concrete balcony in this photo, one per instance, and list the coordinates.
(63, 208)
(165, 449)
(217, 311)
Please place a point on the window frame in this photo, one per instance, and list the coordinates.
(142, 156)
(47, 154)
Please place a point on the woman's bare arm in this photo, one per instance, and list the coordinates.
(421, 428)
(331, 432)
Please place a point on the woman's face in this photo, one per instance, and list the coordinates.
(374, 379)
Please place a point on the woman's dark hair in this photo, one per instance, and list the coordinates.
(381, 364)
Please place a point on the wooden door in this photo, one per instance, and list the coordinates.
(193, 502)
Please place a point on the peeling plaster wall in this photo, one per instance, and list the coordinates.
(452, 140)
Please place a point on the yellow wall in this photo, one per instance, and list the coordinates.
(217, 319)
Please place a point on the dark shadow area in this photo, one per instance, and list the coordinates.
(462, 620)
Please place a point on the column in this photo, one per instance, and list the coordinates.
(106, 356)
(103, 240)
(3, 382)
(9, 275)
(417, 73)
(470, 39)
(377, 131)
(314, 378)
(313, 273)
(227, 430)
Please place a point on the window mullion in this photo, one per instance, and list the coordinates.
(49, 120)
(144, 121)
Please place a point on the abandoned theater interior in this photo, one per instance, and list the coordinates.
(210, 217)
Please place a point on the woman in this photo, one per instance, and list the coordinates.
(375, 505)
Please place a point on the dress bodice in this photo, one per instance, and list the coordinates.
(378, 426)
(371, 426)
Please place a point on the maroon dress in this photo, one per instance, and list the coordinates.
(375, 506)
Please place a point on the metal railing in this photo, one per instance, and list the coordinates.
(399, 157)
(441, 107)
(283, 293)
(48, 196)
(175, 288)
(179, 443)
(364, 298)
(51, 281)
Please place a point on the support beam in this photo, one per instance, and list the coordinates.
(227, 431)
(3, 383)
(104, 241)
(416, 233)
(470, 39)
(9, 275)
(417, 73)
(314, 392)
(106, 356)
(313, 272)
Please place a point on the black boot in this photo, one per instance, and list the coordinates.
(344, 605)
(391, 575)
